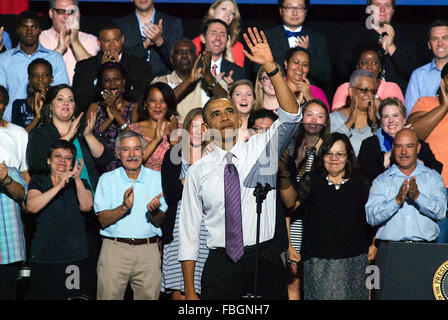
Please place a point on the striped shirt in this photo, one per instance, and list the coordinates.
(12, 240)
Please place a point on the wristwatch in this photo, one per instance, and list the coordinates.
(7, 183)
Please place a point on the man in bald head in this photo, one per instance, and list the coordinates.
(408, 199)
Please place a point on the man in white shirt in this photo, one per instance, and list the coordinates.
(64, 36)
(226, 276)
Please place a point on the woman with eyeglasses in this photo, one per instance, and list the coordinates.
(367, 58)
(336, 235)
(357, 119)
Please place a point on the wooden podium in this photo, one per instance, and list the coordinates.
(412, 271)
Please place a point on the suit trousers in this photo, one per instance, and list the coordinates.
(224, 279)
(120, 263)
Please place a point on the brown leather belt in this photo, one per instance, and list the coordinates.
(134, 242)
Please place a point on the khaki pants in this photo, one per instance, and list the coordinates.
(120, 263)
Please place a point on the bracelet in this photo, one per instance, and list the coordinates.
(7, 183)
(273, 72)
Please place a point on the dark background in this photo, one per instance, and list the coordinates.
(335, 21)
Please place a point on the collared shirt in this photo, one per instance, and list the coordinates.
(197, 98)
(218, 65)
(424, 82)
(356, 136)
(203, 194)
(109, 195)
(13, 144)
(50, 39)
(14, 75)
(140, 25)
(292, 41)
(12, 241)
(415, 220)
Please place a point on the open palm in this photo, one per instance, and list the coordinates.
(260, 52)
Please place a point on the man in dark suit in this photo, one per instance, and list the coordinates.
(214, 35)
(110, 40)
(292, 34)
(150, 34)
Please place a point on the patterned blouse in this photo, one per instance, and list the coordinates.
(110, 135)
(154, 162)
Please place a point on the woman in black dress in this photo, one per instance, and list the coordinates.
(335, 231)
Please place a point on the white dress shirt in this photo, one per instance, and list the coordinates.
(292, 41)
(203, 192)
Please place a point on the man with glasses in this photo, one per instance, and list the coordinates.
(357, 120)
(64, 36)
(294, 33)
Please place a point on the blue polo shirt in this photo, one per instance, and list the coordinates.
(109, 195)
(14, 72)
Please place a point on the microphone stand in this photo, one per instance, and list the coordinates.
(260, 193)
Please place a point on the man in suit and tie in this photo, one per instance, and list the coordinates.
(150, 34)
(214, 35)
(293, 33)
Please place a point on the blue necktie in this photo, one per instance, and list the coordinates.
(292, 34)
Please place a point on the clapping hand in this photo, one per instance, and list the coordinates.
(413, 192)
(128, 198)
(303, 41)
(3, 171)
(401, 196)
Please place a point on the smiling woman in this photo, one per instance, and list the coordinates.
(113, 113)
(158, 118)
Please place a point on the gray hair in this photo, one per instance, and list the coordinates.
(359, 73)
(53, 3)
(128, 134)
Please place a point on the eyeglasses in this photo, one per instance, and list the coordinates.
(337, 155)
(290, 9)
(62, 12)
(365, 90)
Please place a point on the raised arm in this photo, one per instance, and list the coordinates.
(424, 122)
(262, 55)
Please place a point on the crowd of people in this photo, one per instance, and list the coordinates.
(134, 161)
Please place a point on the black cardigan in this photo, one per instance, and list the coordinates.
(172, 191)
(371, 158)
(39, 142)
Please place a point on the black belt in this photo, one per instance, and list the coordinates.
(406, 241)
(248, 249)
(134, 242)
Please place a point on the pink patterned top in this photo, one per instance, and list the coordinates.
(154, 162)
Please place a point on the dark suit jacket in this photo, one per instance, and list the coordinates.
(371, 158)
(85, 79)
(320, 60)
(411, 53)
(238, 72)
(159, 56)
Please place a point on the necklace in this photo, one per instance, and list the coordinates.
(337, 186)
